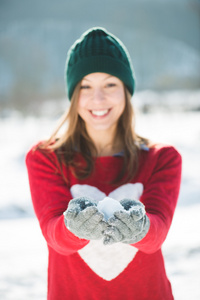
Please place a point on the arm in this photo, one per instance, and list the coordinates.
(146, 226)
(50, 197)
(160, 198)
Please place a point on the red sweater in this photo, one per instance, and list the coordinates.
(88, 270)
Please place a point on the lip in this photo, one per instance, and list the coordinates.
(99, 113)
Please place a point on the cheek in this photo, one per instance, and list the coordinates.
(121, 102)
(81, 113)
(121, 110)
(82, 103)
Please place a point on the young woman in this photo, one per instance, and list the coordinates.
(110, 249)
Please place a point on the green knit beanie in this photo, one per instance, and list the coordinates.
(97, 50)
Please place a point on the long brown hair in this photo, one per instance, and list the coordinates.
(75, 139)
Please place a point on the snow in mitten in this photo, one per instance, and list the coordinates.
(127, 226)
(84, 220)
(108, 207)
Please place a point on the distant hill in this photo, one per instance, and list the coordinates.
(163, 38)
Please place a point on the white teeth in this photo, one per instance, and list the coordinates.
(99, 112)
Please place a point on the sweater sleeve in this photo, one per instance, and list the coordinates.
(160, 197)
(50, 196)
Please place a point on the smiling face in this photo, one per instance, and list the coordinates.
(101, 102)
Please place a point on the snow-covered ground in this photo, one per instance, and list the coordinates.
(23, 253)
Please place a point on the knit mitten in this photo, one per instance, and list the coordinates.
(84, 220)
(129, 225)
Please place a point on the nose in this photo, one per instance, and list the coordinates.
(98, 94)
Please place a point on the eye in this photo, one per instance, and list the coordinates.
(111, 84)
(84, 86)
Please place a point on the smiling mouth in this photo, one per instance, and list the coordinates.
(100, 113)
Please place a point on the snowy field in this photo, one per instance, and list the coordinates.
(23, 253)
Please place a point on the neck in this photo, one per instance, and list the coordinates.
(105, 142)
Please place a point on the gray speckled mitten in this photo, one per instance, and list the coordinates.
(127, 226)
(84, 220)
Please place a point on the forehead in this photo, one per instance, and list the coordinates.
(99, 77)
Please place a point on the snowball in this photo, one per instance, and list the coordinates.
(108, 206)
